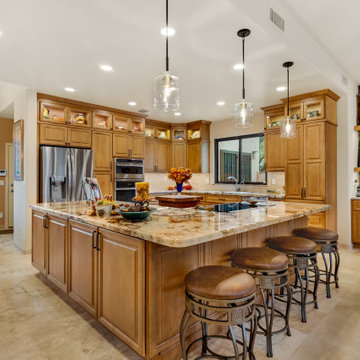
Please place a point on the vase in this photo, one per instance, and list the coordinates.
(179, 189)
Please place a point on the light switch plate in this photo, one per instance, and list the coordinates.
(2, 182)
(273, 181)
(207, 181)
(1, 215)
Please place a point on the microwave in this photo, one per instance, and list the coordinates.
(129, 169)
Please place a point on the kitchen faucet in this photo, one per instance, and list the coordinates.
(236, 182)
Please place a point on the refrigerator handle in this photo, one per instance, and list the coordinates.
(69, 178)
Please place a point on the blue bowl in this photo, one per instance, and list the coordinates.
(135, 216)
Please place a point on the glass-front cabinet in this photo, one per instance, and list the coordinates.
(55, 113)
(137, 126)
(162, 133)
(273, 116)
(178, 133)
(121, 122)
(79, 117)
(314, 109)
(102, 120)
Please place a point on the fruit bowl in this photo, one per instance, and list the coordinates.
(135, 215)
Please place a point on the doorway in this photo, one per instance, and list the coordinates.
(9, 186)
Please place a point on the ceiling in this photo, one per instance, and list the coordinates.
(50, 45)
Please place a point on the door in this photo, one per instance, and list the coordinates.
(102, 149)
(121, 308)
(162, 154)
(137, 147)
(178, 154)
(294, 174)
(9, 166)
(194, 156)
(149, 158)
(314, 161)
(38, 252)
(274, 151)
(82, 270)
(57, 261)
(105, 182)
(79, 137)
(121, 145)
(52, 134)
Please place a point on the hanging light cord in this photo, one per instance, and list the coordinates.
(167, 36)
(288, 91)
(243, 70)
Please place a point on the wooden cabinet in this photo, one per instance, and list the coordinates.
(125, 145)
(39, 241)
(64, 136)
(157, 155)
(121, 274)
(198, 156)
(221, 199)
(355, 222)
(149, 158)
(317, 220)
(57, 250)
(105, 181)
(82, 260)
(178, 154)
(102, 149)
(274, 151)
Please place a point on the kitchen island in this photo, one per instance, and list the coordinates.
(130, 275)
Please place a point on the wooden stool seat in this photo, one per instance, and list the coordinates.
(316, 234)
(219, 282)
(259, 259)
(292, 245)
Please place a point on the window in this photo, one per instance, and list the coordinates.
(241, 157)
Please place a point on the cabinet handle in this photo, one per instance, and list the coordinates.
(46, 222)
(302, 193)
(110, 165)
(93, 239)
(305, 193)
(97, 241)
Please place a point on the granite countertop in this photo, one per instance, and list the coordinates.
(185, 227)
(220, 192)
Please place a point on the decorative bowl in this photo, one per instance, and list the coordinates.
(135, 215)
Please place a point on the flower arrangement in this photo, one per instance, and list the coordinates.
(179, 175)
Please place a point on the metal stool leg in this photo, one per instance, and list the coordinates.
(337, 265)
(243, 333)
(288, 308)
(302, 296)
(316, 283)
(268, 320)
(233, 338)
(253, 328)
(184, 323)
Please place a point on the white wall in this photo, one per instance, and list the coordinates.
(24, 102)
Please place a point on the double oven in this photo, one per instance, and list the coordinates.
(126, 173)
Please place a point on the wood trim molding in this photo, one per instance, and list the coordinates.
(327, 92)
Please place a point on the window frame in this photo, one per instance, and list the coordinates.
(216, 155)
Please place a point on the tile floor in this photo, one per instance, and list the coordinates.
(38, 322)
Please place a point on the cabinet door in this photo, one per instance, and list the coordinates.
(317, 220)
(149, 158)
(294, 173)
(178, 154)
(194, 156)
(122, 287)
(79, 137)
(82, 265)
(53, 134)
(105, 182)
(137, 146)
(314, 161)
(355, 227)
(57, 262)
(274, 151)
(121, 145)
(102, 149)
(314, 109)
(162, 156)
(38, 251)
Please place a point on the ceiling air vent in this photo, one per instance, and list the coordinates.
(277, 20)
(143, 111)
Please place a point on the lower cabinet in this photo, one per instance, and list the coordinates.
(57, 249)
(355, 222)
(317, 220)
(121, 271)
(39, 243)
(82, 257)
(105, 182)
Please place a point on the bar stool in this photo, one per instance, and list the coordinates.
(220, 295)
(269, 268)
(327, 240)
(301, 253)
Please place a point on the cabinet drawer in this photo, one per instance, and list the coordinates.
(219, 199)
(317, 220)
(355, 204)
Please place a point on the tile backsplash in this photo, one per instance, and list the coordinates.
(158, 182)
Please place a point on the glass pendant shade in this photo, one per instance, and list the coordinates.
(288, 128)
(166, 92)
(243, 114)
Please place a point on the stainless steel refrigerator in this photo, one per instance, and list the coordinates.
(61, 172)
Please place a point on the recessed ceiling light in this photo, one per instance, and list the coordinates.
(132, 103)
(238, 66)
(105, 67)
(281, 88)
(177, 113)
(167, 31)
(220, 103)
(69, 89)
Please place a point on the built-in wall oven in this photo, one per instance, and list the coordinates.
(126, 173)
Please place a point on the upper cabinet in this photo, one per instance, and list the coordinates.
(124, 123)
(79, 117)
(102, 120)
(52, 112)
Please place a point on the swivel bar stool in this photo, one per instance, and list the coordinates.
(327, 241)
(301, 253)
(220, 295)
(270, 271)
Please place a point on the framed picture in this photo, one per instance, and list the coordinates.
(19, 150)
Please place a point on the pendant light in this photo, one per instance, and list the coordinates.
(166, 86)
(243, 111)
(288, 125)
